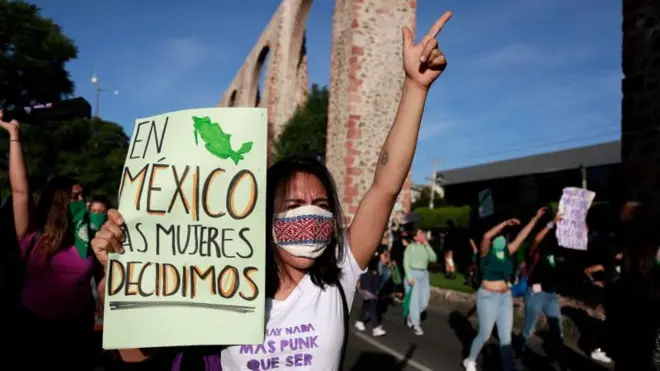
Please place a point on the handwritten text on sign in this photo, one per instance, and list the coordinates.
(192, 196)
(573, 206)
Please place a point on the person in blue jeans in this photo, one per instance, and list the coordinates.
(541, 296)
(494, 302)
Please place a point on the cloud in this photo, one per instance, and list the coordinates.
(158, 71)
(565, 94)
(528, 56)
(435, 128)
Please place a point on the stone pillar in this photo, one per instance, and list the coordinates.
(366, 77)
(640, 122)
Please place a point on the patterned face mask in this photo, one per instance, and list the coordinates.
(305, 231)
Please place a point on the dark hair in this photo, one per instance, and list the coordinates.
(325, 270)
(641, 239)
(101, 200)
(52, 215)
(601, 218)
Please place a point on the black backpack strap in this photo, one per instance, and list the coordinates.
(344, 304)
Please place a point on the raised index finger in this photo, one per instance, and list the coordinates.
(439, 24)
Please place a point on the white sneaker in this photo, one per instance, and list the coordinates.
(360, 326)
(409, 323)
(600, 356)
(418, 330)
(469, 365)
(378, 331)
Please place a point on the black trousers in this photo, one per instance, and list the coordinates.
(370, 312)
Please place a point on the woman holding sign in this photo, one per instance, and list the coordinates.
(312, 282)
(541, 295)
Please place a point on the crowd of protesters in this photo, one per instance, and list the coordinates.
(62, 248)
(49, 274)
(622, 270)
(55, 250)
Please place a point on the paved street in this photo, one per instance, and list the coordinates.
(440, 348)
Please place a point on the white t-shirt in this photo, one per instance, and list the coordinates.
(303, 332)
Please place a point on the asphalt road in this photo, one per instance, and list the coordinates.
(447, 337)
(443, 346)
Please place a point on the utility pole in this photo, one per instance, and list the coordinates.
(433, 180)
(583, 174)
(99, 90)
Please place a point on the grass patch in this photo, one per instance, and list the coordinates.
(438, 279)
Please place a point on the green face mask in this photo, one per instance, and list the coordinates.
(499, 244)
(80, 227)
(96, 220)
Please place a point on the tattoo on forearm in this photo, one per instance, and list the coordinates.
(383, 158)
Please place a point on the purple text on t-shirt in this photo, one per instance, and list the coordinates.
(290, 339)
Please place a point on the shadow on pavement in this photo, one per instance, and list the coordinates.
(592, 330)
(489, 357)
(382, 361)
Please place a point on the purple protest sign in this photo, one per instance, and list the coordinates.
(573, 206)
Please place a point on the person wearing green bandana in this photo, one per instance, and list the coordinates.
(541, 295)
(98, 213)
(494, 301)
(54, 315)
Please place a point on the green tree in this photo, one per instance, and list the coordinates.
(305, 133)
(425, 197)
(91, 149)
(34, 53)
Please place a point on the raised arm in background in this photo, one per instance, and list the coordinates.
(17, 178)
(543, 232)
(487, 239)
(423, 64)
(522, 235)
(474, 247)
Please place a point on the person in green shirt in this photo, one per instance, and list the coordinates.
(416, 258)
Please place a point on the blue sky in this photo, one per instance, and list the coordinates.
(524, 76)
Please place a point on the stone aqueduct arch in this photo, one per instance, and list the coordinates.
(280, 51)
(365, 83)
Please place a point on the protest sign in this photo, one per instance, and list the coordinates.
(573, 207)
(486, 207)
(193, 198)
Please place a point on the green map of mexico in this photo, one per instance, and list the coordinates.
(218, 143)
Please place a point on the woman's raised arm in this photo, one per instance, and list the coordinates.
(423, 63)
(544, 232)
(522, 235)
(487, 239)
(18, 179)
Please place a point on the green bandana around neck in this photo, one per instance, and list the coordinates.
(80, 226)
